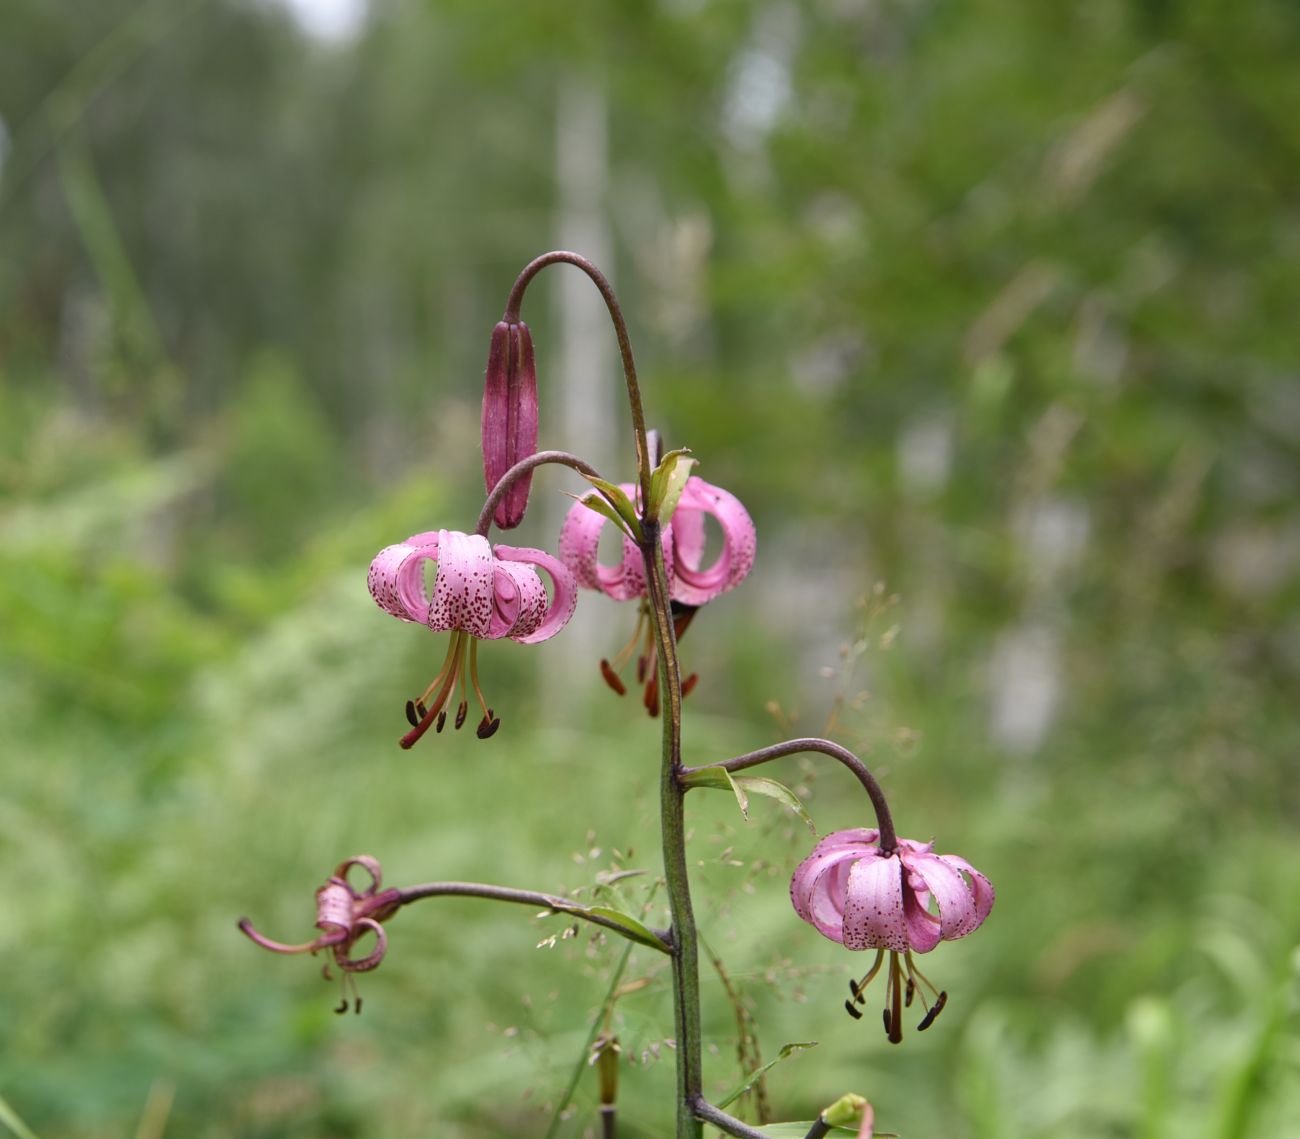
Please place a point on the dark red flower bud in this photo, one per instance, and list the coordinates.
(509, 416)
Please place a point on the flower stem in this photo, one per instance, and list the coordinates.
(884, 820)
(518, 471)
(601, 282)
(529, 898)
(704, 1110)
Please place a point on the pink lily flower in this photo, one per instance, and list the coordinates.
(344, 915)
(478, 593)
(690, 584)
(906, 900)
(509, 416)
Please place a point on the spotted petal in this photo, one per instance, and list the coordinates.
(550, 619)
(396, 577)
(693, 584)
(579, 550)
(873, 906)
(463, 590)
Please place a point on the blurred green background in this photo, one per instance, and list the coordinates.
(993, 304)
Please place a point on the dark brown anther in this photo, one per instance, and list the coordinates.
(935, 1010)
(611, 677)
(652, 696)
(442, 720)
(357, 1007)
(689, 684)
(855, 989)
(911, 992)
(642, 664)
(325, 972)
(889, 1029)
(411, 717)
(488, 726)
(853, 1010)
(461, 713)
(343, 1006)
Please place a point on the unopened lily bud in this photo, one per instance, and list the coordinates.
(509, 416)
(851, 1111)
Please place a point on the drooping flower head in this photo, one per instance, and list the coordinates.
(690, 582)
(344, 915)
(897, 902)
(477, 593)
(509, 416)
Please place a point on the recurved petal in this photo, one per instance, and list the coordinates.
(691, 583)
(518, 599)
(579, 550)
(817, 889)
(396, 578)
(554, 617)
(463, 589)
(873, 906)
(956, 899)
(981, 889)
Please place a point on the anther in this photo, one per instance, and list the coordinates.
(853, 1010)
(461, 713)
(611, 677)
(442, 720)
(411, 717)
(855, 989)
(689, 683)
(488, 726)
(652, 696)
(889, 1029)
(911, 992)
(642, 664)
(357, 1007)
(343, 1006)
(935, 1010)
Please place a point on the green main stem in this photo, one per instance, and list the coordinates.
(672, 798)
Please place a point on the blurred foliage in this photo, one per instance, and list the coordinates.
(993, 302)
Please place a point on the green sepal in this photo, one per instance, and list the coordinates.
(787, 1050)
(742, 786)
(667, 483)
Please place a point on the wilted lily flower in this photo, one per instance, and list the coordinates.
(345, 915)
(905, 900)
(690, 584)
(478, 593)
(509, 416)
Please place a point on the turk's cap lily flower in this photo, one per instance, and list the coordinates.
(903, 901)
(344, 915)
(509, 416)
(689, 583)
(477, 593)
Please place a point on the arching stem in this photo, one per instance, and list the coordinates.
(515, 300)
(884, 820)
(518, 471)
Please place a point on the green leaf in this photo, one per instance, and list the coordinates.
(742, 786)
(594, 501)
(619, 500)
(761, 785)
(787, 1050)
(10, 1119)
(635, 930)
(796, 1130)
(667, 483)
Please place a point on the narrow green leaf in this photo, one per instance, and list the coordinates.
(10, 1119)
(787, 1050)
(761, 785)
(742, 786)
(594, 501)
(619, 500)
(719, 778)
(668, 482)
(635, 930)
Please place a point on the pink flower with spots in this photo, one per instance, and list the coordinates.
(690, 582)
(900, 901)
(477, 593)
(344, 915)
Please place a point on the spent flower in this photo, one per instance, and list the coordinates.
(898, 902)
(344, 915)
(478, 592)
